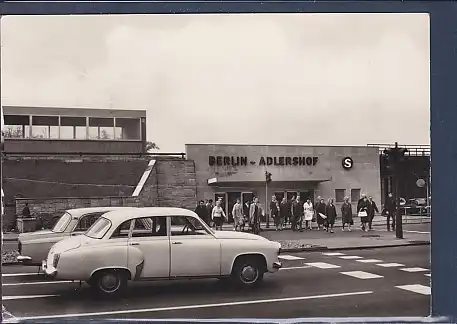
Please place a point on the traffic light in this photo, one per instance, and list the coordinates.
(267, 176)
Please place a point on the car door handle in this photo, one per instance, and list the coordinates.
(176, 243)
(134, 243)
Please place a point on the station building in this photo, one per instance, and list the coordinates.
(238, 171)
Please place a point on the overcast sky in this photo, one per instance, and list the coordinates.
(300, 79)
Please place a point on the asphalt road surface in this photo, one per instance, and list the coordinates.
(378, 282)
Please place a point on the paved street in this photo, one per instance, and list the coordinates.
(376, 282)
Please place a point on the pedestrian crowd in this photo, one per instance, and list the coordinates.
(299, 215)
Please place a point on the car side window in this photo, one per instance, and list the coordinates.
(86, 221)
(186, 225)
(122, 231)
(150, 226)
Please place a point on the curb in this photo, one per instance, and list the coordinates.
(365, 247)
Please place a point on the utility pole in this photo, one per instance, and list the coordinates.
(267, 181)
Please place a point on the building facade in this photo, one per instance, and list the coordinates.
(238, 171)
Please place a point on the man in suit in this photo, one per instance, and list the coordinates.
(372, 208)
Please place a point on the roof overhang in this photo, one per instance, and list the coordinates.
(250, 179)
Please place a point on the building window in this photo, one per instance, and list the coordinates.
(339, 195)
(73, 128)
(355, 195)
(16, 126)
(101, 128)
(45, 127)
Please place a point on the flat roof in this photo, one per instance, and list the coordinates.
(73, 112)
(281, 145)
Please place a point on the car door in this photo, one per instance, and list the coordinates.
(195, 251)
(149, 248)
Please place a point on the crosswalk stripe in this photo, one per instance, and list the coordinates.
(295, 268)
(27, 297)
(323, 265)
(390, 265)
(414, 269)
(36, 283)
(361, 275)
(333, 253)
(21, 274)
(350, 257)
(290, 257)
(369, 261)
(418, 289)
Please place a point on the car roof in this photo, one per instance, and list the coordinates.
(78, 212)
(119, 216)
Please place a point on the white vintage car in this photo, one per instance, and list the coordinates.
(34, 246)
(158, 243)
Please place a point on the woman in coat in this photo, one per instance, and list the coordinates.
(346, 213)
(237, 212)
(308, 213)
(330, 211)
(320, 209)
(362, 212)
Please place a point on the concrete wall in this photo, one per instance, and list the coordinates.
(364, 174)
(62, 146)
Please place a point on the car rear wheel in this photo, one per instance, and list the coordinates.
(109, 282)
(248, 271)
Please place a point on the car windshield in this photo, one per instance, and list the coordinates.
(197, 225)
(99, 228)
(62, 223)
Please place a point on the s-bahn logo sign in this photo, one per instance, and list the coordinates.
(264, 160)
(347, 163)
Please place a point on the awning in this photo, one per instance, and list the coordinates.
(258, 178)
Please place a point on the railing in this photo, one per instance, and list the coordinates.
(413, 150)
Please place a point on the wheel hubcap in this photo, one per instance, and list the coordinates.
(249, 274)
(109, 282)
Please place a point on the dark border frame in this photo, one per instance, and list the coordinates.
(443, 24)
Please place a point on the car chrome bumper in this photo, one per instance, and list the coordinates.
(24, 258)
(277, 265)
(48, 271)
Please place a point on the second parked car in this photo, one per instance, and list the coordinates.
(34, 246)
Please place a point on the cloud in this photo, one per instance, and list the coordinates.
(263, 79)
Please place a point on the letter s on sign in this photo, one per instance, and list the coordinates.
(347, 163)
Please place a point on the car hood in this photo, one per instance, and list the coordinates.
(238, 235)
(38, 235)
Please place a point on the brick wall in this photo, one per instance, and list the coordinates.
(171, 183)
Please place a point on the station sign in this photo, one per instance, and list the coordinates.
(263, 161)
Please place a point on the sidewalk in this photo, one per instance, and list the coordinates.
(377, 221)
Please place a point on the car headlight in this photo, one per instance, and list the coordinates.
(56, 260)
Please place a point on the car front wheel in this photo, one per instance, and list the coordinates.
(109, 282)
(248, 271)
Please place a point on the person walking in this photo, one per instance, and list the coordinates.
(237, 213)
(346, 214)
(274, 211)
(210, 206)
(320, 211)
(308, 212)
(283, 211)
(362, 198)
(246, 206)
(372, 208)
(218, 215)
(297, 215)
(255, 211)
(362, 212)
(390, 210)
(330, 212)
(202, 212)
